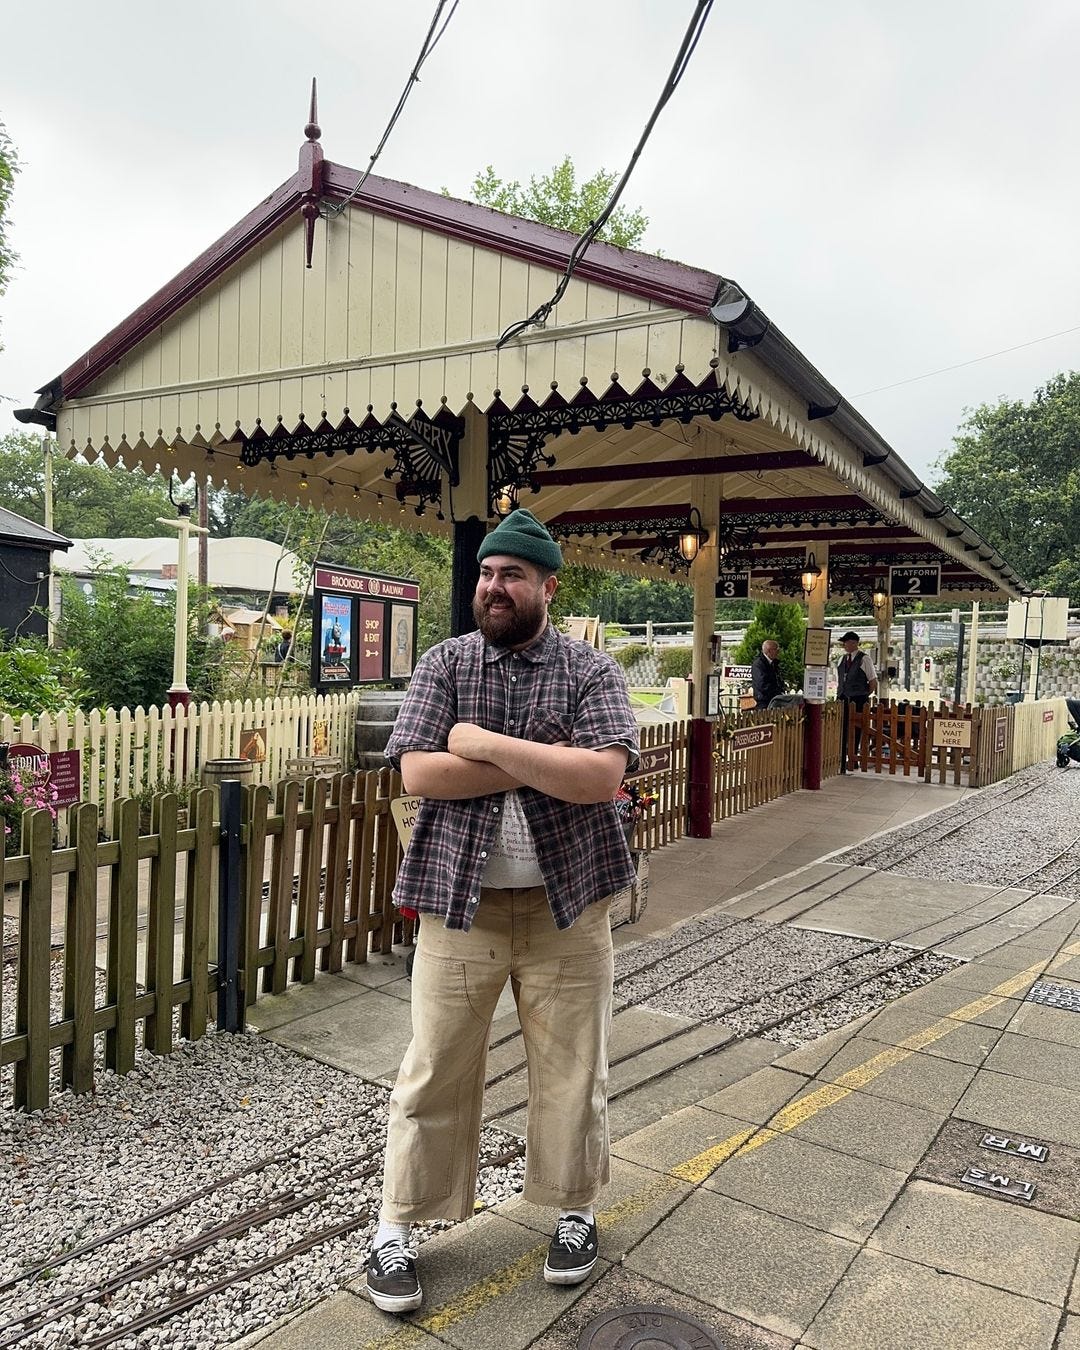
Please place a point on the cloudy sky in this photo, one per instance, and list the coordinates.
(894, 184)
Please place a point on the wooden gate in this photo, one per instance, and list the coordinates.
(887, 737)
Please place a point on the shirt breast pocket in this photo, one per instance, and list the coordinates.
(550, 725)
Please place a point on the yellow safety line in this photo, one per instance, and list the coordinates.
(697, 1169)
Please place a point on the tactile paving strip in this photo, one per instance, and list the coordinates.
(1047, 995)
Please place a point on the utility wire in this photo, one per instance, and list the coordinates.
(973, 362)
(682, 60)
(430, 43)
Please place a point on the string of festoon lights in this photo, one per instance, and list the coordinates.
(224, 466)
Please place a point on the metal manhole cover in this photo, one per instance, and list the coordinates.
(647, 1326)
(1049, 995)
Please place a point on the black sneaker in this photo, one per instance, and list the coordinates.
(392, 1281)
(573, 1251)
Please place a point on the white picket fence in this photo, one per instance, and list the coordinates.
(125, 751)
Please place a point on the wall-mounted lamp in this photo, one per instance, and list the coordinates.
(810, 573)
(881, 595)
(505, 499)
(692, 536)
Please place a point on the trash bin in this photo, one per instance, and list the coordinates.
(1014, 695)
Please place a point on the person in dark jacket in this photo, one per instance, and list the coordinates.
(856, 675)
(765, 673)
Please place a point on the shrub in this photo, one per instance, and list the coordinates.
(783, 623)
(675, 663)
(34, 679)
(631, 654)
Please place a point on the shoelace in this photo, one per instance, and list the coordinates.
(572, 1234)
(394, 1256)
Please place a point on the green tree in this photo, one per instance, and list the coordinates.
(123, 642)
(1014, 475)
(9, 167)
(784, 624)
(90, 501)
(557, 198)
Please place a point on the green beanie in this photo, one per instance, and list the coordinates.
(521, 535)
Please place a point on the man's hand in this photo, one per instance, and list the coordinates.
(469, 741)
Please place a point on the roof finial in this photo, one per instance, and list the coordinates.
(313, 131)
(310, 175)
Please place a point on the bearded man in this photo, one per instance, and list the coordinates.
(517, 738)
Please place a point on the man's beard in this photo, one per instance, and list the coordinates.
(513, 626)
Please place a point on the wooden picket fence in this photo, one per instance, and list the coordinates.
(666, 745)
(745, 778)
(832, 739)
(126, 752)
(994, 741)
(316, 875)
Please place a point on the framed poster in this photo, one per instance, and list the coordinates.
(402, 641)
(335, 640)
(363, 625)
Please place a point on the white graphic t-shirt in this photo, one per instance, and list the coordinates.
(513, 854)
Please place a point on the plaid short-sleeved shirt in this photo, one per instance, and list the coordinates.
(558, 689)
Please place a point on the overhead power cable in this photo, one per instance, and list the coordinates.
(678, 70)
(973, 362)
(434, 33)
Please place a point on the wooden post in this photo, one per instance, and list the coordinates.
(701, 775)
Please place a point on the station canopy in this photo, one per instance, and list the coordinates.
(341, 349)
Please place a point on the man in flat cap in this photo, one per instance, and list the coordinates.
(856, 680)
(517, 738)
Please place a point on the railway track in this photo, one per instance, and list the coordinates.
(812, 999)
(18, 1330)
(804, 992)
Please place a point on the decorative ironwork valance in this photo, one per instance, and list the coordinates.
(516, 436)
(423, 448)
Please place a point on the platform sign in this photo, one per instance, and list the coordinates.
(1001, 727)
(740, 673)
(364, 627)
(657, 759)
(752, 738)
(816, 646)
(915, 579)
(1037, 619)
(733, 585)
(58, 771)
(404, 811)
(954, 732)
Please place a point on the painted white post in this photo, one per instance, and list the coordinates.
(973, 652)
(179, 695)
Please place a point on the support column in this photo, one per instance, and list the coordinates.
(470, 511)
(884, 616)
(703, 576)
(815, 617)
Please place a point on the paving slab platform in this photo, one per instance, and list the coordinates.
(810, 1198)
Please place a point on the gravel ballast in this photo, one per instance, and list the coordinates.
(91, 1164)
(1007, 832)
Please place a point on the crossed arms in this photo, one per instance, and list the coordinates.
(477, 762)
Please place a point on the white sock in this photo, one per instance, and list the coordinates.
(388, 1232)
(582, 1212)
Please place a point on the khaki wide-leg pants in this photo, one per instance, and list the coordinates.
(562, 984)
